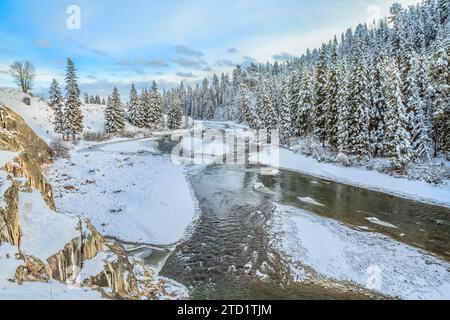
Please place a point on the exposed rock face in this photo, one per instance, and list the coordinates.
(9, 215)
(16, 135)
(111, 270)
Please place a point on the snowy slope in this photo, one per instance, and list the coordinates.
(94, 119)
(39, 116)
(126, 191)
(370, 260)
(36, 220)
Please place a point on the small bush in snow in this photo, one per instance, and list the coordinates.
(434, 174)
(60, 148)
(27, 101)
(95, 136)
(311, 146)
(343, 159)
(127, 134)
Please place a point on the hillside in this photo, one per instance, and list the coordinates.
(49, 255)
(39, 115)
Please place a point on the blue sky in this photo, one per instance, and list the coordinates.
(120, 42)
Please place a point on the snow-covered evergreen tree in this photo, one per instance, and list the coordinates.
(72, 110)
(114, 115)
(331, 103)
(286, 129)
(175, 114)
(142, 116)
(247, 108)
(266, 112)
(321, 96)
(359, 98)
(440, 76)
(399, 140)
(133, 106)
(56, 102)
(156, 106)
(419, 102)
(343, 110)
(304, 115)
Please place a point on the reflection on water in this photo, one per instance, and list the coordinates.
(415, 223)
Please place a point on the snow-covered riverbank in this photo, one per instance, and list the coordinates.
(126, 191)
(370, 260)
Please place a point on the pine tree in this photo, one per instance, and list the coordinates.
(321, 96)
(332, 87)
(247, 108)
(343, 110)
(294, 97)
(156, 106)
(379, 86)
(419, 103)
(175, 114)
(440, 75)
(133, 106)
(359, 101)
(72, 110)
(286, 129)
(56, 102)
(141, 120)
(304, 115)
(267, 114)
(86, 98)
(399, 140)
(114, 116)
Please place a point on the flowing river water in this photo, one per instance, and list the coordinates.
(230, 242)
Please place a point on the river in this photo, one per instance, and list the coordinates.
(230, 242)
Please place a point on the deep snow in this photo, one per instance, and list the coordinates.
(371, 260)
(126, 191)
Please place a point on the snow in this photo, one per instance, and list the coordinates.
(380, 223)
(94, 266)
(132, 146)
(258, 186)
(412, 189)
(310, 200)
(5, 184)
(132, 196)
(93, 117)
(34, 290)
(51, 290)
(39, 116)
(7, 156)
(8, 261)
(43, 232)
(371, 260)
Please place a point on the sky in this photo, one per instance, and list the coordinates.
(116, 43)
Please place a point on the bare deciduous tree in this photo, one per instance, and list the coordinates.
(23, 74)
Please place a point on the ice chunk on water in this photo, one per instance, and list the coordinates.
(310, 200)
(380, 223)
